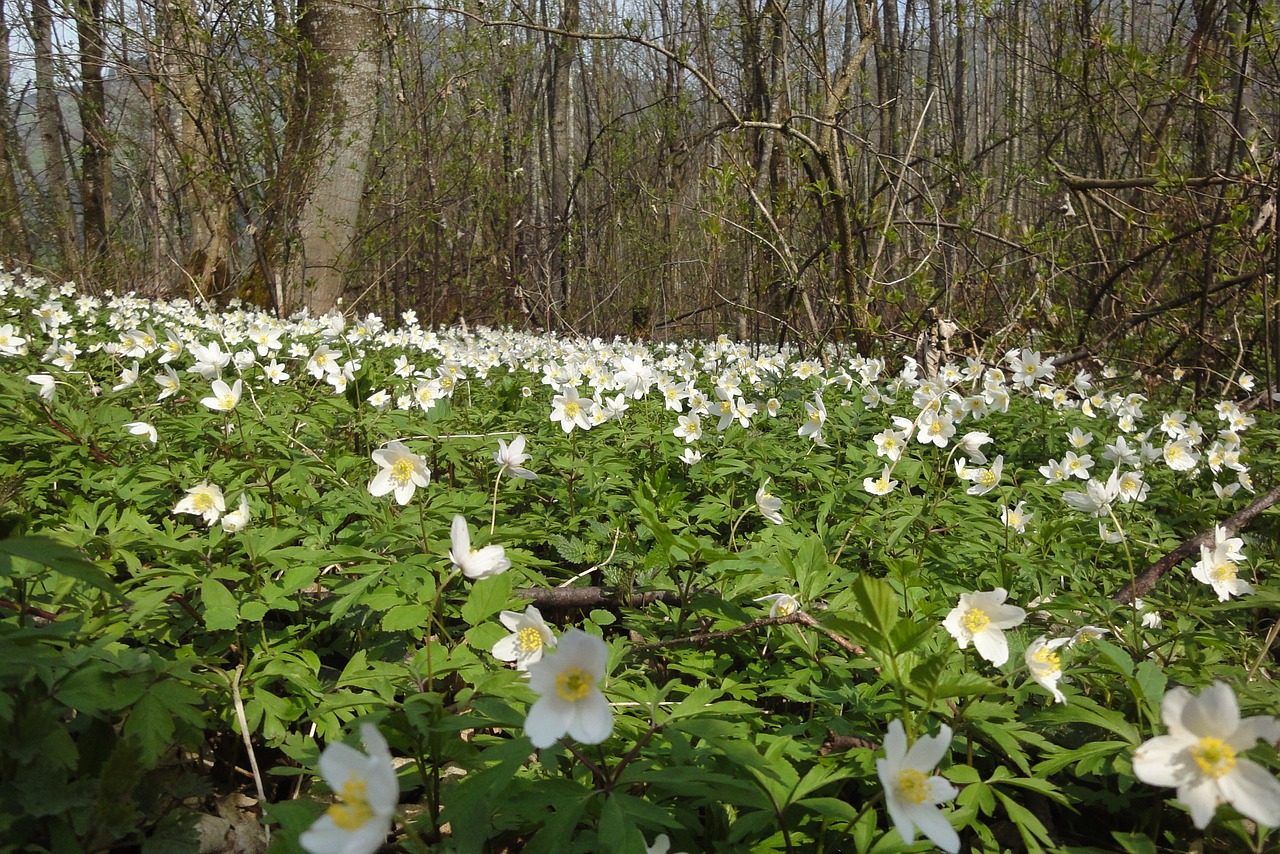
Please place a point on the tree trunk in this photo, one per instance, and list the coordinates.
(13, 229)
(561, 124)
(95, 145)
(52, 129)
(328, 144)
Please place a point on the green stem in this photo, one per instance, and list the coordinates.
(493, 516)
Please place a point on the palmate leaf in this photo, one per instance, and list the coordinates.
(61, 559)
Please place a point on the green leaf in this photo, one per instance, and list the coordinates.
(221, 612)
(61, 559)
(486, 598)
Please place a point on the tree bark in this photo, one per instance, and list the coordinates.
(95, 144)
(52, 129)
(13, 229)
(328, 144)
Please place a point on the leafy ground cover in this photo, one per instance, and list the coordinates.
(344, 584)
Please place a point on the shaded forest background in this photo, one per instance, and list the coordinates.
(1096, 176)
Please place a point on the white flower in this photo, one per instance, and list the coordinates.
(570, 700)
(128, 376)
(1016, 517)
(48, 386)
(780, 604)
(1200, 757)
(689, 428)
(529, 637)
(982, 618)
(238, 519)
(476, 565)
(1045, 665)
(971, 443)
(512, 458)
(1077, 438)
(225, 397)
(204, 500)
(1109, 536)
(369, 791)
(890, 443)
(985, 480)
(661, 845)
(815, 417)
(769, 504)
(142, 428)
(934, 428)
(911, 795)
(571, 410)
(881, 485)
(1084, 634)
(1217, 566)
(690, 457)
(1180, 455)
(168, 382)
(400, 470)
(1097, 498)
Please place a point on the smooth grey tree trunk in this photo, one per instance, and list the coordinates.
(330, 138)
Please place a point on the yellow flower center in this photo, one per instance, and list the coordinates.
(975, 620)
(402, 471)
(571, 408)
(912, 786)
(574, 684)
(1214, 756)
(202, 501)
(529, 639)
(227, 402)
(1014, 519)
(354, 812)
(815, 416)
(1223, 570)
(1045, 661)
(987, 477)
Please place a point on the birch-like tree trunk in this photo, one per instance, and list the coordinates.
(95, 144)
(52, 130)
(328, 144)
(13, 230)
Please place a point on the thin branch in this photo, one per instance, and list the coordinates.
(1146, 582)
(799, 617)
(594, 597)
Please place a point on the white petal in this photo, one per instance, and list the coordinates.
(1254, 729)
(1214, 713)
(460, 538)
(901, 815)
(934, 824)
(1201, 798)
(506, 649)
(992, 646)
(381, 483)
(592, 719)
(546, 721)
(1253, 791)
(1175, 699)
(1161, 761)
(928, 750)
(339, 762)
